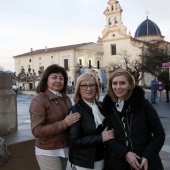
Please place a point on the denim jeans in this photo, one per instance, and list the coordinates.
(153, 96)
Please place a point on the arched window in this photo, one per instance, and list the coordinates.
(110, 21)
(116, 21)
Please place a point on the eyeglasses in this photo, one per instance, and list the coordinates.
(85, 86)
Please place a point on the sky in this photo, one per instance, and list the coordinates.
(36, 24)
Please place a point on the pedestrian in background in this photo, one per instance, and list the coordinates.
(87, 136)
(154, 87)
(50, 119)
(167, 89)
(103, 87)
(138, 132)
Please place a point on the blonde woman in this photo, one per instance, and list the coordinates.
(87, 136)
(139, 134)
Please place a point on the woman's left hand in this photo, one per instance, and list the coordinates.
(72, 118)
(107, 134)
(132, 159)
(144, 163)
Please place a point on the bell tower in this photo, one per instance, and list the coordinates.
(113, 14)
(114, 26)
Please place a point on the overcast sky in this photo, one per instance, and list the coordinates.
(26, 24)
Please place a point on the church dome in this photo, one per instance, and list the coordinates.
(147, 27)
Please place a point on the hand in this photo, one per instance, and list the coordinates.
(131, 158)
(144, 163)
(72, 118)
(107, 134)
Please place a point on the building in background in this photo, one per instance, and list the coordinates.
(71, 57)
(116, 40)
(94, 57)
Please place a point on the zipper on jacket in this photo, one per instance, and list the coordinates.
(120, 124)
(129, 128)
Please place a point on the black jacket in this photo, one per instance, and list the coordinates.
(86, 144)
(145, 131)
(167, 85)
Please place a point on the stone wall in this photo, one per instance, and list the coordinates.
(8, 106)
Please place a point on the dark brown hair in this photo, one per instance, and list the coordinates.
(54, 68)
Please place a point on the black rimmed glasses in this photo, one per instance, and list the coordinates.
(85, 86)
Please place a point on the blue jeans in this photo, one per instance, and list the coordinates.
(153, 96)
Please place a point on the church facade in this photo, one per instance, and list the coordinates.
(116, 41)
(95, 57)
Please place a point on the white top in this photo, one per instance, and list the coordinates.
(119, 105)
(98, 117)
(55, 152)
(56, 93)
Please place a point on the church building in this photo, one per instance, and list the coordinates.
(94, 57)
(116, 41)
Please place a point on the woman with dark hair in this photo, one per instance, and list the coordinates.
(50, 119)
(139, 134)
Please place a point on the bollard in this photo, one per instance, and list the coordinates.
(8, 106)
(160, 96)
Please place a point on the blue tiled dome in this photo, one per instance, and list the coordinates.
(147, 27)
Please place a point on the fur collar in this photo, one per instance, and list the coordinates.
(135, 101)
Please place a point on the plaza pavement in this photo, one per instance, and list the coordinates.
(163, 109)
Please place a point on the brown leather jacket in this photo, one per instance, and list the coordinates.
(47, 113)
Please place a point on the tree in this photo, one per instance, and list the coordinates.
(22, 76)
(29, 77)
(32, 77)
(152, 57)
(163, 76)
(132, 66)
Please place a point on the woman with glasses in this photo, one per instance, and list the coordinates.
(87, 136)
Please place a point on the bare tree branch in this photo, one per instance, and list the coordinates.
(133, 66)
(153, 55)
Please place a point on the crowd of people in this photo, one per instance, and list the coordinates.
(122, 132)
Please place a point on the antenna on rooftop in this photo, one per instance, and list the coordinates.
(147, 12)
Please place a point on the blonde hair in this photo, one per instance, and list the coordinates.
(130, 79)
(81, 78)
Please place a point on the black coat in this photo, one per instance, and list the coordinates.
(86, 144)
(167, 85)
(145, 130)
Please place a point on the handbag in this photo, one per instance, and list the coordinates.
(4, 153)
